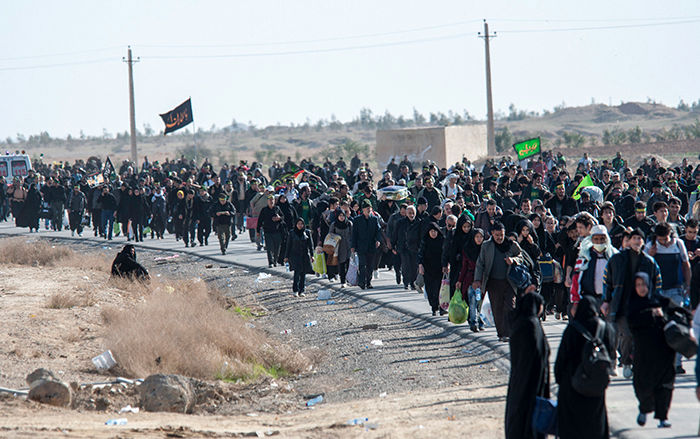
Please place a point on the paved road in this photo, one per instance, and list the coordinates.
(622, 405)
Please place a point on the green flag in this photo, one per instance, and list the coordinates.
(587, 181)
(527, 148)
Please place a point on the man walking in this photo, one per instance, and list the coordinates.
(366, 238)
(222, 213)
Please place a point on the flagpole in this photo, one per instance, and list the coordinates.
(194, 135)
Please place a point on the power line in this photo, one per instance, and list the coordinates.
(619, 26)
(320, 40)
(310, 51)
(46, 66)
(79, 52)
(590, 20)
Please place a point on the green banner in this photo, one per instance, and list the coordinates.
(527, 148)
(585, 182)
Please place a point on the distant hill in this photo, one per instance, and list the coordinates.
(569, 128)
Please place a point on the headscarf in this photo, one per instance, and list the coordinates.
(472, 250)
(340, 224)
(460, 238)
(300, 233)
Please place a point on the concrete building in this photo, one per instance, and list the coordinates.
(443, 145)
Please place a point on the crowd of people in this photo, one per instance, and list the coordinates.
(599, 241)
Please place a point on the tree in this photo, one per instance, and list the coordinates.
(635, 135)
(503, 139)
(607, 137)
(418, 118)
(148, 130)
(573, 139)
(682, 106)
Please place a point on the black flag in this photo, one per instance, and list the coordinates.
(178, 118)
(108, 171)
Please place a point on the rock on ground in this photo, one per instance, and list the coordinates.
(167, 393)
(46, 388)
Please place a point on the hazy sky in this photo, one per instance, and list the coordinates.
(269, 61)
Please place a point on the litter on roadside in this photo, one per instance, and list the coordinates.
(129, 409)
(119, 421)
(324, 294)
(357, 421)
(263, 276)
(424, 361)
(377, 342)
(370, 326)
(104, 361)
(314, 401)
(330, 302)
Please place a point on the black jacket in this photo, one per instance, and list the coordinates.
(266, 223)
(408, 235)
(299, 250)
(222, 220)
(108, 202)
(365, 234)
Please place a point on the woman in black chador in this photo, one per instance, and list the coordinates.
(125, 265)
(529, 367)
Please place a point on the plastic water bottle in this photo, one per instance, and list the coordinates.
(357, 421)
(119, 421)
(314, 401)
(478, 294)
(311, 323)
(286, 265)
(286, 331)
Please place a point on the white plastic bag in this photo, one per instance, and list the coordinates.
(487, 313)
(353, 269)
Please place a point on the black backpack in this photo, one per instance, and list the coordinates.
(592, 375)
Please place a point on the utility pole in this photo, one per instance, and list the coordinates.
(132, 110)
(490, 130)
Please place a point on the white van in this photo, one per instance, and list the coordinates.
(14, 165)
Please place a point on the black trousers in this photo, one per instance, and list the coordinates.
(502, 299)
(396, 264)
(203, 231)
(273, 242)
(366, 263)
(75, 221)
(433, 282)
(299, 281)
(409, 267)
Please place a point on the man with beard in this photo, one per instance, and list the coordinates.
(366, 238)
(496, 258)
(406, 243)
(271, 221)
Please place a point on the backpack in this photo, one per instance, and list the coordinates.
(592, 375)
(520, 276)
(546, 264)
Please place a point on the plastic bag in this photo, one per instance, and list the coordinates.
(459, 310)
(66, 223)
(319, 265)
(487, 313)
(117, 228)
(351, 276)
(147, 230)
(445, 293)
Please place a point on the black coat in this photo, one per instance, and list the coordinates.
(529, 368)
(580, 416)
(408, 235)
(365, 234)
(653, 359)
(125, 265)
(299, 250)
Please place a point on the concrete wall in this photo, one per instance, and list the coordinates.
(444, 145)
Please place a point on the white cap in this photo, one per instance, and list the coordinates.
(599, 229)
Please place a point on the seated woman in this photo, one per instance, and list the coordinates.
(125, 265)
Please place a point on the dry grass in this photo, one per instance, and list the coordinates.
(181, 328)
(64, 300)
(39, 253)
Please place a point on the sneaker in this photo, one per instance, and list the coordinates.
(557, 316)
(664, 424)
(297, 294)
(342, 285)
(613, 371)
(302, 294)
(223, 251)
(680, 370)
(434, 313)
(405, 287)
(442, 312)
(473, 328)
(72, 233)
(627, 371)
(376, 274)
(369, 287)
(642, 419)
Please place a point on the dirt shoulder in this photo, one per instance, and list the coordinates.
(417, 376)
